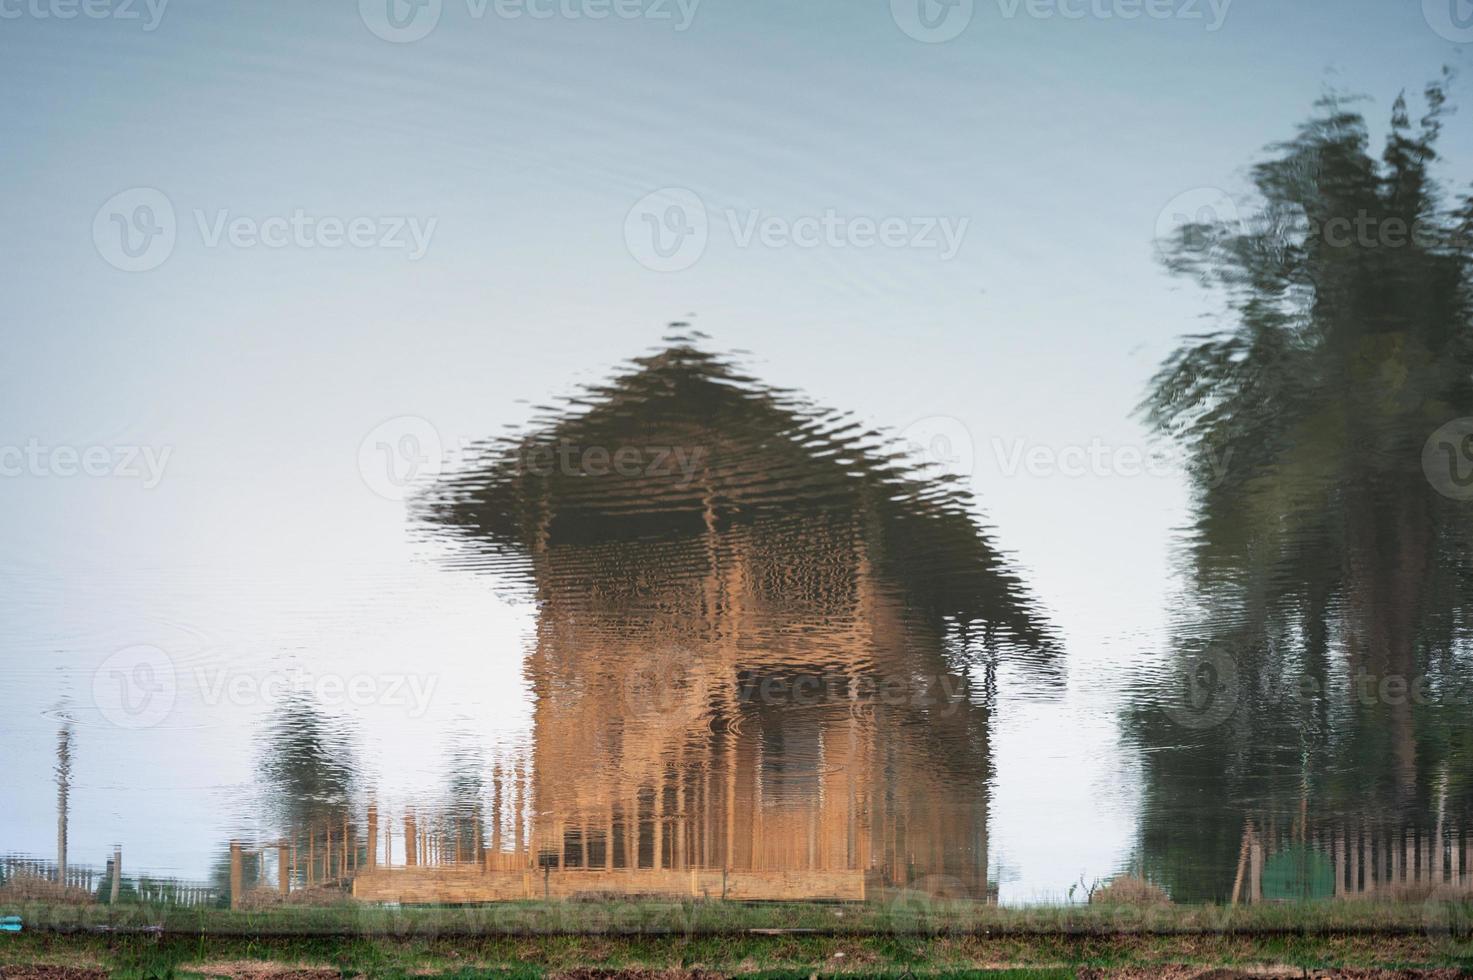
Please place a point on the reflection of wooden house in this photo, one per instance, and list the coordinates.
(752, 666)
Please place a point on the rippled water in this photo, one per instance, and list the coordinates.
(994, 565)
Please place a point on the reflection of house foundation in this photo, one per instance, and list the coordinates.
(673, 755)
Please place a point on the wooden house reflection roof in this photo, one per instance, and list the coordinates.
(706, 447)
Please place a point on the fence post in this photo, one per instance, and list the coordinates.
(117, 874)
(236, 871)
(371, 853)
(1255, 872)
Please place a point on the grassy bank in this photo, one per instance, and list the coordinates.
(901, 915)
(905, 935)
(165, 957)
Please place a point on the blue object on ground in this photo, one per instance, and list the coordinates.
(10, 923)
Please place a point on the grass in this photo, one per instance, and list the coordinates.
(902, 914)
(905, 935)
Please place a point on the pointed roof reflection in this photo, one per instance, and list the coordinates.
(682, 441)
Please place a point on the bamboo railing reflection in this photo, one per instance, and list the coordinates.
(1350, 859)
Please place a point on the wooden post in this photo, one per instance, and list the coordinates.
(1354, 887)
(631, 833)
(1255, 870)
(1337, 860)
(370, 853)
(63, 790)
(657, 819)
(1243, 852)
(496, 809)
(519, 808)
(283, 874)
(411, 841)
(117, 881)
(1367, 849)
(678, 860)
(731, 782)
(236, 874)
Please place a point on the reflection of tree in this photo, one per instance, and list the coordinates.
(308, 768)
(465, 792)
(1350, 345)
